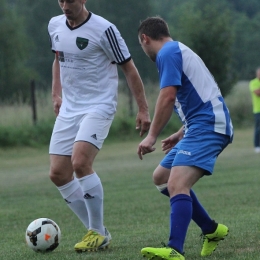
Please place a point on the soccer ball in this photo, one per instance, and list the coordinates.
(43, 235)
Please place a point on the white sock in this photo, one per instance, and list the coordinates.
(73, 195)
(93, 195)
(161, 187)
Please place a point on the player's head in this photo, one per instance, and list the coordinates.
(72, 8)
(258, 72)
(152, 31)
(154, 27)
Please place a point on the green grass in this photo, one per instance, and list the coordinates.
(135, 213)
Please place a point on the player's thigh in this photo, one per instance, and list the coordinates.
(182, 178)
(61, 171)
(83, 155)
(93, 130)
(162, 172)
(63, 135)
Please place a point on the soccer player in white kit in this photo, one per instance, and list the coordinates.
(87, 50)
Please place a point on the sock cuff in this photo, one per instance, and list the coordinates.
(180, 197)
(161, 187)
(89, 182)
(69, 188)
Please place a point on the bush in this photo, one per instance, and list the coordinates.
(16, 129)
(240, 105)
(29, 135)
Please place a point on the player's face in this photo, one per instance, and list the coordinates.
(147, 48)
(72, 8)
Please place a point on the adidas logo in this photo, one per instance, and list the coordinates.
(94, 136)
(88, 196)
(174, 253)
(57, 38)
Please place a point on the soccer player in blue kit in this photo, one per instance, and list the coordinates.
(187, 86)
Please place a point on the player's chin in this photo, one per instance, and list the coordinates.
(69, 17)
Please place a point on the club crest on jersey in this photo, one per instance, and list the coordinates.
(82, 43)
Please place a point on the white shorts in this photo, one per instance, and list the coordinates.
(92, 128)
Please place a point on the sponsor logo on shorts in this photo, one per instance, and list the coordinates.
(184, 152)
(94, 136)
(57, 38)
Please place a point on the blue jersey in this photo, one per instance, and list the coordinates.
(199, 102)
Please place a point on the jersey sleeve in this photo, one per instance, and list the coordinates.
(51, 28)
(169, 64)
(114, 46)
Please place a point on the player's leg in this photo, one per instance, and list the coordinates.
(83, 157)
(257, 133)
(198, 151)
(61, 171)
(199, 214)
(89, 140)
(205, 158)
(181, 179)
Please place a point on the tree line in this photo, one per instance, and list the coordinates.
(225, 33)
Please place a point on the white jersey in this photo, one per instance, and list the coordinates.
(88, 55)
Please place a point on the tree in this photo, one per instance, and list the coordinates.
(246, 50)
(40, 59)
(206, 28)
(250, 8)
(126, 15)
(14, 76)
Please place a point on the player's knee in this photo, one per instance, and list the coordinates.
(81, 168)
(159, 178)
(54, 176)
(59, 178)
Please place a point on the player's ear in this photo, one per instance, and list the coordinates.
(144, 38)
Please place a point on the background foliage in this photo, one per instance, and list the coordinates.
(224, 33)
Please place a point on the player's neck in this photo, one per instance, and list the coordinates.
(80, 19)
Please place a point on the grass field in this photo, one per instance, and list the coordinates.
(135, 213)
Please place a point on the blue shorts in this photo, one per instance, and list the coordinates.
(198, 148)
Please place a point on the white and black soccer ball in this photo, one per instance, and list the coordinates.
(43, 235)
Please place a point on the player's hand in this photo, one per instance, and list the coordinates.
(56, 104)
(143, 122)
(170, 142)
(146, 146)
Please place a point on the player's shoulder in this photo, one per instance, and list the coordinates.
(252, 81)
(100, 21)
(56, 21)
(170, 48)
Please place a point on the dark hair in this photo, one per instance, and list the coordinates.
(154, 27)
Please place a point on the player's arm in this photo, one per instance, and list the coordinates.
(163, 111)
(254, 88)
(257, 92)
(169, 142)
(137, 88)
(56, 85)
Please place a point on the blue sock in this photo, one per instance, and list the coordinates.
(181, 212)
(199, 214)
(201, 217)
